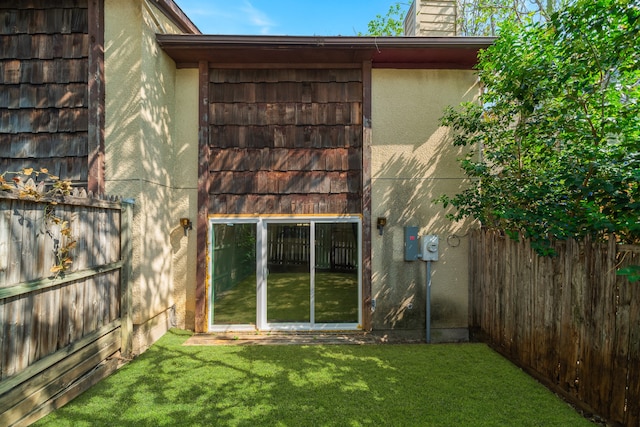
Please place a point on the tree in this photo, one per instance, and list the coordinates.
(555, 140)
(475, 17)
(392, 24)
(483, 17)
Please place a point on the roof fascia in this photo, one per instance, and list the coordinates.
(172, 11)
(383, 52)
(248, 41)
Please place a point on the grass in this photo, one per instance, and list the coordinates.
(316, 385)
(288, 299)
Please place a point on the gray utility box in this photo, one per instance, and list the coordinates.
(429, 248)
(411, 244)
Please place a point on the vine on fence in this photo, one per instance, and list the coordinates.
(23, 184)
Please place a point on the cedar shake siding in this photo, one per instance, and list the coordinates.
(285, 141)
(44, 108)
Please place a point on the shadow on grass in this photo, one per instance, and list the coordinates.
(348, 385)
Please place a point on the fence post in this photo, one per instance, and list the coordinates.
(126, 248)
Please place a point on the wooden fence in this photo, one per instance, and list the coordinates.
(60, 333)
(336, 247)
(568, 320)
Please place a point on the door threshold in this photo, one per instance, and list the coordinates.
(284, 338)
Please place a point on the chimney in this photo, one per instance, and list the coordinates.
(431, 18)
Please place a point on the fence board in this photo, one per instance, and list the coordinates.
(80, 363)
(632, 415)
(48, 368)
(5, 242)
(10, 323)
(27, 324)
(15, 243)
(44, 283)
(569, 320)
(569, 376)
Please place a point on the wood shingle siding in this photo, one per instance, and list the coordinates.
(35, 71)
(285, 113)
(318, 136)
(285, 141)
(44, 99)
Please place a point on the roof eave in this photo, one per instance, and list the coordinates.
(380, 50)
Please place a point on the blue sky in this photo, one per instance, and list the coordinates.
(284, 17)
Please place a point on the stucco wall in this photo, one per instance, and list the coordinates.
(413, 162)
(141, 151)
(185, 179)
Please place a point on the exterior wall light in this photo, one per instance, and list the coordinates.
(187, 225)
(380, 224)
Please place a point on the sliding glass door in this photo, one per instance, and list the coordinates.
(288, 273)
(271, 273)
(336, 273)
(233, 274)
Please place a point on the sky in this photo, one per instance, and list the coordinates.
(284, 17)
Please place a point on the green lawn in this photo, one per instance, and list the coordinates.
(316, 385)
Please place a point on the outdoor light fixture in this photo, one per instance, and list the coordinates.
(187, 225)
(380, 224)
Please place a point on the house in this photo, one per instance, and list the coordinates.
(265, 144)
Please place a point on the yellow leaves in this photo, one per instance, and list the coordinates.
(65, 231)
(23, 184)
(62, 187)
(4, 185)
(62, 265)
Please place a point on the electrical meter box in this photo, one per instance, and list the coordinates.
(429, 246)
(411, 244)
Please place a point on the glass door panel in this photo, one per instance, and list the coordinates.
(336, 273)
(234, 274)
(288, 273)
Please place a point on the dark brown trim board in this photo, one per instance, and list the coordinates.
(366, 195)
(95, 179)
(202, 222)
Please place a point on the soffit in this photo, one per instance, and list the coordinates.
(383, 52)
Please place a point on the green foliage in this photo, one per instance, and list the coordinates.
(483, 17)
(475, 17)
(555, 141)
(392, 24)
(632, 272)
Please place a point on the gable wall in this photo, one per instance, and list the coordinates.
(285, 141)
